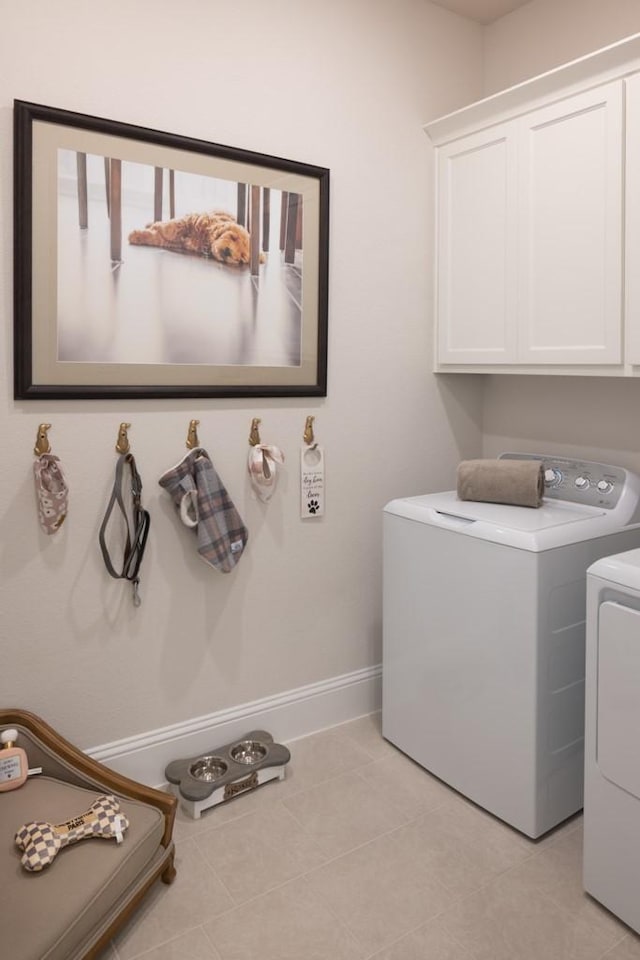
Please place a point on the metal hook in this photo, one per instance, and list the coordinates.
(254, 436)
(42, 440)
(192, 435)
(307, 436)
(122, 443)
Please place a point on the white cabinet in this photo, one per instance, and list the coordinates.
(530, 237)
(570, 230)
(477, 248)
(538, 224)
(632, 219)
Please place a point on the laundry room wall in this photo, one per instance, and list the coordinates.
(589, 417)
(346, 85)
(543, 34)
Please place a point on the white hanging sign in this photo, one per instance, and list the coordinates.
(311, 482)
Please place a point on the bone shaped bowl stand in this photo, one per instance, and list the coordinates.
(223, 773)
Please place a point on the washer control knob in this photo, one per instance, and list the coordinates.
(604, 486)
(582, 483)
(552, 477)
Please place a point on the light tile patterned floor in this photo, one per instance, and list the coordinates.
(358, 854)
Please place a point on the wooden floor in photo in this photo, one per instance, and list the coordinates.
(158, 306)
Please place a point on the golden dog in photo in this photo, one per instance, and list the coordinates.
(216, 235)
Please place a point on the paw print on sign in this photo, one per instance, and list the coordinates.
(313, 506)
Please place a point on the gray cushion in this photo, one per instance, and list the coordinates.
(45, 916)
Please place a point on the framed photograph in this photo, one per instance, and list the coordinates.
(152, 265)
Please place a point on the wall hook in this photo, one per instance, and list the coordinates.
(122, 443)
(254, 436)
(42, 440)
(192, 435)
(307, 436)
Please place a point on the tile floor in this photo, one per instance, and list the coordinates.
(358, 854)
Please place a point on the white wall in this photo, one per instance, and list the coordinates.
(583, 417)
(346, 84)
(543, 34)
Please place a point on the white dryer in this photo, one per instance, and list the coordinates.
(612, 736)
(483, 635)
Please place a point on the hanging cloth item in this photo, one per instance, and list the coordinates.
(204, 505)
(262, 464)
(52, 492)
(136, 527)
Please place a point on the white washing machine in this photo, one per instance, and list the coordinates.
(484, 635)
(612, 736)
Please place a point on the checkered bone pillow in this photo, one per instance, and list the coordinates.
(41, 842)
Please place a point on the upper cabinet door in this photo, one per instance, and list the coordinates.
(570, 230)
(632, 219)
(476, 294)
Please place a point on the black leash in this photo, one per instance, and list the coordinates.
(137, 530)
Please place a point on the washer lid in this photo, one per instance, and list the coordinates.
(552, 513)
(622, 569)
(553, 524)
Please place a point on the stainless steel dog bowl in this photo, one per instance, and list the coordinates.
(248, 751)
(208, 768)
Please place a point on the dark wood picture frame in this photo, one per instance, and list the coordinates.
(291, 197)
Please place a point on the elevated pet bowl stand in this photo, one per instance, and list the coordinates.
(221, 774)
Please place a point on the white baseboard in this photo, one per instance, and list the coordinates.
(287, 716)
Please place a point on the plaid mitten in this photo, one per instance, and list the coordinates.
(205, 506)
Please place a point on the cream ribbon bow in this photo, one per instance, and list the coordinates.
(262, 464)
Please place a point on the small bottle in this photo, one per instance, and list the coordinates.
(14, 766)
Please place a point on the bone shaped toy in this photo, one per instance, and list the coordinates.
(42, 841)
